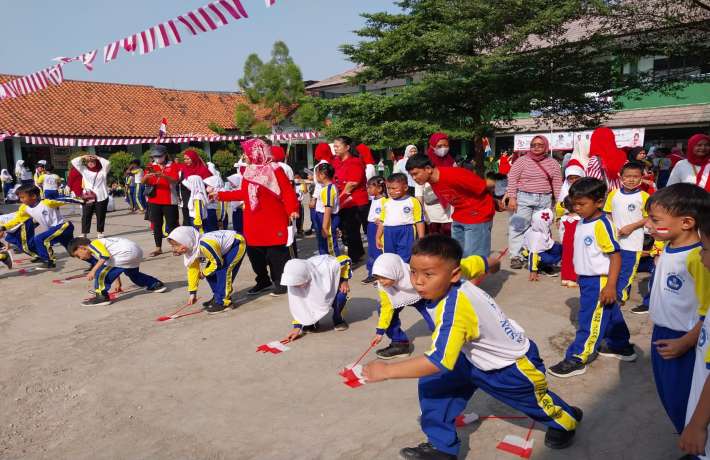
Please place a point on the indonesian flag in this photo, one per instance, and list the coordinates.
(274, 347)
(163, 131)
(270, 3)
(352, 376)
(516, 446)
(487, 147)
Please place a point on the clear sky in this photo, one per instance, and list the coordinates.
(35, 31)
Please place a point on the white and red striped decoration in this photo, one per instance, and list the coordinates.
(88, 60)
(32, 83)
(270, 3)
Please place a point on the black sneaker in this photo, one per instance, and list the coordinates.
(313, 328)
(516, 263)
(369, 280)
(36, 260)
(157, 287)
(394, 350)
(425, 451)
(214, 308)
(47, 266)
(208, 303)
(341, 326)
(98, 301)
(278, 291)
(640, 310)
(567, 368)
(6, 259)
(627, 354)
(258, 289)
(560, 439)
(550, 272)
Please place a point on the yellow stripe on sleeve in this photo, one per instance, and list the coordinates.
(609, 199)
(701, 276)
(100, 248)
(473, 267)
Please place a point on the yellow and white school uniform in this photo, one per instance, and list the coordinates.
(20, 235)
(399, 217)
(49, 183)
(701, 371)
(327, 197)
(628, 207)
(372, 218)
(121, 256)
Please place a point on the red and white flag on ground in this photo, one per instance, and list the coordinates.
(274, 347)
(466, 419)
(163, 130)
(352, 376)
(517, 446)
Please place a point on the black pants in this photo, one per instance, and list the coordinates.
(162, 215)
(275, 257)
(350, 224)
(87, 213)
(185, 197)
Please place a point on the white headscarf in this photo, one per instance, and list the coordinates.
(196, 186)
(538, 237)
(407, 153)
(573, 170)
(391, 266)
(321, 276)
(213, 169)
(581, 152)
(214, 181)
(190, 238)
(5, 174)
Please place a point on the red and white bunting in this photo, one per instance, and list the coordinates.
(32, 83)
(270, 3)
(113, 141)
(111, 51)
(88, 60)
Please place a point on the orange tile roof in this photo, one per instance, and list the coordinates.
(83, 108)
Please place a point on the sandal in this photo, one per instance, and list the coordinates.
(157, 252)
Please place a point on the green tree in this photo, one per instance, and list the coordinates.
(224, 161)
(476, 64)
(309, 115)
(244, 117)
(119, 162)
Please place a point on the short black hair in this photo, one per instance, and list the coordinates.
(345, 140)
(588, 187)
(397, 177)
(418, 161)
(683, 200)
(326, 169)
(76, 243)
(135, 161)
(633, 165)
(28, 189)
(441, 246)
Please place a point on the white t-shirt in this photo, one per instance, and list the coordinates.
(627, 208)
(94, 181)
(287, 169)
(375, 209)
(680, 294)
(435, 212)
(370, 172)
(402, 211)
(118, 252)
(224, 238)
(593, 242)
(467, 320)
(685, 172)
(328, 197)
(50, 181)
(701, 371)
(401, 167)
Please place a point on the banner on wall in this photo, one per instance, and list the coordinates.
(567, 140)
(625, 137)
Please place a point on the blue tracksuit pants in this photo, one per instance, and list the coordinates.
(546, 259)
(107, 275)
(339, 307)
(221, 280)
(43, 242)
(327, 244)
(238, 220)
(596, 321)
(372, 251)
(399, 240)
(395, 332)
(209, 224)
(23, 238)
(629, 266)
(522, 386)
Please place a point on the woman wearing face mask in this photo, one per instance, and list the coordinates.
(533, 183)
(162, 175)
(438, 150)
(698, 156)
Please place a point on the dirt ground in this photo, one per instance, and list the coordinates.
(112, 383)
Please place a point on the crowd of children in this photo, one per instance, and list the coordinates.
(606, 237)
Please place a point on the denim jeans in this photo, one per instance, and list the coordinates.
(475, 239)
(519, 222)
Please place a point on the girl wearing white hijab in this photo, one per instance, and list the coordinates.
(197, 204)
(6, 180)
(544, 252)
(23, 174)
(215, 256)
(401, 166)
(314, 286)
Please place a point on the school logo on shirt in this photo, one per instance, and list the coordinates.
(631, 207)
(674, 282)
(588, 240)
(407, 209)
(703, 337)
(378, 210)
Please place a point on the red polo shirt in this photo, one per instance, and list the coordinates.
(351, 170)
(165, 192)
(467, 193)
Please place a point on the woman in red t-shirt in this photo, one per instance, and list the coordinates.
(354, 202)
(269, 202)
(162, 174)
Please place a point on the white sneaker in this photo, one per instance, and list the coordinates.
(99, 235)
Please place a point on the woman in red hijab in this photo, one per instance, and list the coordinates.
(192, 165)
(323, 153)
(269, 203)
(367, 158)
(698, 157)
(438, 150)
(605, 158)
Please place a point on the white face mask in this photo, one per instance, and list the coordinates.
(441, 151)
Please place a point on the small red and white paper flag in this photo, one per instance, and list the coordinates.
(163, 130)
(269, 3)
(352, 376)
(274, 347)
(466, 419)
(516, 445)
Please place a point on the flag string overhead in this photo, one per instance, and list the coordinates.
(206, 18)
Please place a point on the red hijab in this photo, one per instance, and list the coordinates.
(323, 153)
(75, 181)
(545, 152)
(692, 142)
(436, 160)
(365, 154)
(197, 168)
(603, 145)
(278, 153)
